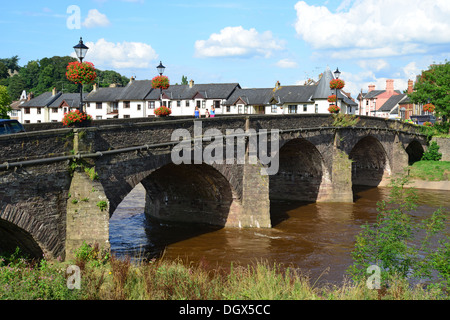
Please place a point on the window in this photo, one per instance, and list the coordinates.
(316, 108)
(38, 110)
(274, 109)
(98, 118)
(217, 104)
(126, 104)
(27, 121)
(151, 104)
(55, 110)
(239, 108)
(27, 110)
(98, 105)
(245, 109)
(228, 108)
(305, 108)
(178, 103)
(170, 104)
(203, 104)
(187, 103)
(139, 107)
(292, 108)
(126, 116)
(198, 103)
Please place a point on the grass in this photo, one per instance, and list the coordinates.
(120, 279)
(430, 170)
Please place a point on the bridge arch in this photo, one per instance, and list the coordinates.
(415, 151)
(301, 172)
(188, 193)
(370, 163)
(13, 236)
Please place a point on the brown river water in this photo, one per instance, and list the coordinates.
(317, 238)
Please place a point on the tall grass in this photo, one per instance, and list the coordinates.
(120, 279)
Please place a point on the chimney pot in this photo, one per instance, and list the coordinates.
(53, 91)
(191, 83)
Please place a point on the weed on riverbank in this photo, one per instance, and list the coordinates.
(120, 279)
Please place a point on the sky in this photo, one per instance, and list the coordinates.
(252, 42)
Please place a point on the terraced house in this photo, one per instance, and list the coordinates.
(137, 99)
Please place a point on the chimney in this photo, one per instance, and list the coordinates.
(371, 87)
(54, 92)
(30, 96)
(191, 83)
(131, 79)
(277, 85)
(390, 85)
(95, 87)
(410, 86)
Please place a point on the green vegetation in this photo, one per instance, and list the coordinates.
(345, 120)
(432, 154)
(402, 248)
(39, 76)
(102, 205)
(430, 170)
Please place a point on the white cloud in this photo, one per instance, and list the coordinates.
(96, 19)
(238, 42)
(375, 28)
(286, 64)
(120, 55)
(374, 64)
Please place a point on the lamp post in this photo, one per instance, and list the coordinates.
(337, 74)
(160, 69)
(81, 50)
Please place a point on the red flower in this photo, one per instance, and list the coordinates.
(337, 84)
(429, 107)
(81, 72)
(332, 98)
(333, 109)
(160, 82)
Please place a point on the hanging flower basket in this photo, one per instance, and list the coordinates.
(83, 73)
(334, 109)
(427, 124)
(337, 84)
(332, 98)
(429, 107)
(160, 82)
(76, 118)
(163, 111)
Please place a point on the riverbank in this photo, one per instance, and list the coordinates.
(175, 280)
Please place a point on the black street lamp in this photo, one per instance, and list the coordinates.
(81, 50)
(337, 74)
(160, 69)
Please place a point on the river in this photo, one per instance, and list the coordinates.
(316, 237)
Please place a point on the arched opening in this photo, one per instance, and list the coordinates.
(300, 172)
(369, 162)
(12, 237)
(173, 203)
(415, 152)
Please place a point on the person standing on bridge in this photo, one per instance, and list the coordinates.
(213, 112)
(196, 113)
(207, 114)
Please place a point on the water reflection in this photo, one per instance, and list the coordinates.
(316, 237)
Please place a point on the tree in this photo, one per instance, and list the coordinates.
(5, 102)
(184, 80)
(433, 86)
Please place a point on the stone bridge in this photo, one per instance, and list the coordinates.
(59, 187)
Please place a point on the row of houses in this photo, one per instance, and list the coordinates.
(138, 99)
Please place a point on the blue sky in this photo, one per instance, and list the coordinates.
(252, 42)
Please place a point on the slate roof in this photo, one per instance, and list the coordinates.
(323, 90)
(48, 100)
(260, 96)
(42, 100)
(105, 94)
(72, 99)
(392, 102)
(208, 91)
(294, 94)
(372, 94)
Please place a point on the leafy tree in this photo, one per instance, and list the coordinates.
(3, 71)
(11, 63)
(433, 86)
(432, 154)
(184, 80)
(5, 101)
(16, 84)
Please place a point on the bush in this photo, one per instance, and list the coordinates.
(432, 153)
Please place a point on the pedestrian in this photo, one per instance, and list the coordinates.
(213, 112)
(207, 114)
(196, 113)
